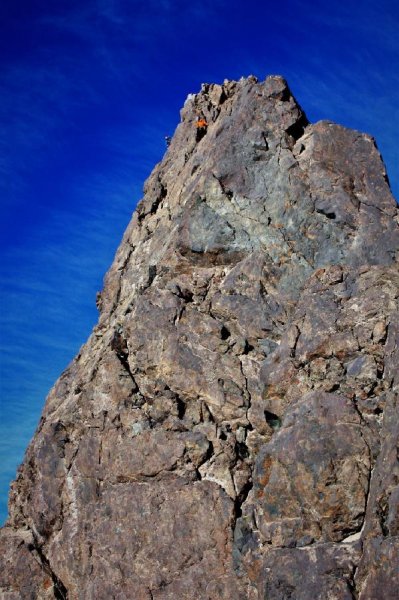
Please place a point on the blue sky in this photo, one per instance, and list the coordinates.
(88, 89)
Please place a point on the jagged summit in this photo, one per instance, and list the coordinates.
(321, 186)
(228, 430)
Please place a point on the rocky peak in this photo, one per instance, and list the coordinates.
(228, 430)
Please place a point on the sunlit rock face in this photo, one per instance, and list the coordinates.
(229, 429)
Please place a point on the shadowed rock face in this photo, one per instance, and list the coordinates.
(229, 430)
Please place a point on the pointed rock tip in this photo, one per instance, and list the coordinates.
(276, 86)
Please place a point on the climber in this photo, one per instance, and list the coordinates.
(168, 140)
(201, 123)
(202, 127)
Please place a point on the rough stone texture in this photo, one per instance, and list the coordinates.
(229, 430)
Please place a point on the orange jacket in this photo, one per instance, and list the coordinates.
(202, 123)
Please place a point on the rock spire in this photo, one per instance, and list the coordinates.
(229, 429)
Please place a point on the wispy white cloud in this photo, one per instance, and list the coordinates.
(369, 19)
(35, 110)
(95, 20)
(42, 96)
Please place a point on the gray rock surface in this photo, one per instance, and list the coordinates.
(230, 428)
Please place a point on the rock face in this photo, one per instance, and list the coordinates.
(229, 430)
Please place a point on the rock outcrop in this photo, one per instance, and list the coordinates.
(229, 430)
